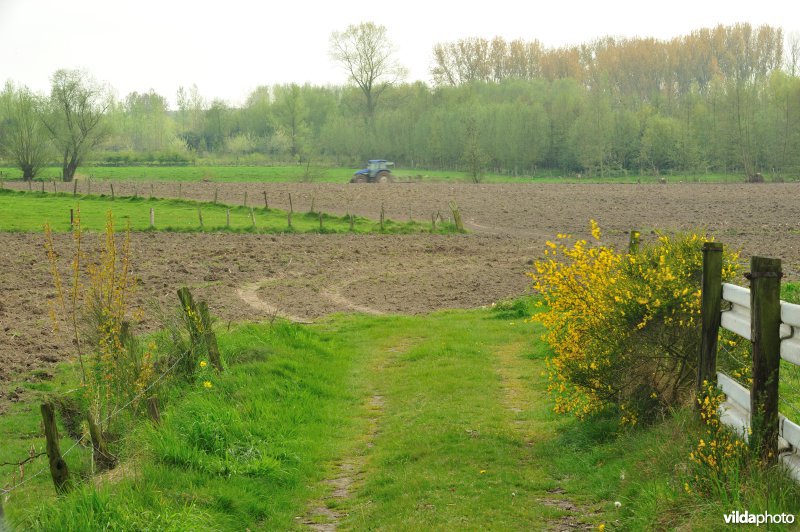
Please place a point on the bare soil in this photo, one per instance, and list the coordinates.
(305, 277)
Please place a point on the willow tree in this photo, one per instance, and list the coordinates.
(367, 55)
(22, 136)
(75, 117)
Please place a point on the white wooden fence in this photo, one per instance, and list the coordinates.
(735, 411)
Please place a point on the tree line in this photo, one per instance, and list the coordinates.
(724, 99)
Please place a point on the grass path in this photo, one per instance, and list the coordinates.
(455, 409)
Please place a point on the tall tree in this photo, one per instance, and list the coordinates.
(75, 117)
(366, 53)
(24, 137)
(290, 114)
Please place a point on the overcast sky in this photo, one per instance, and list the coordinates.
(229, 47)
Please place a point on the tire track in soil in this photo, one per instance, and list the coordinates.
(335, 296)
(249, 294)
(512, 382)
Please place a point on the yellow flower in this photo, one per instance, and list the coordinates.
(207, 384)
(483, 471)
(203, 363)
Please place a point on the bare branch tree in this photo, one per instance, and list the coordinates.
(367, 55)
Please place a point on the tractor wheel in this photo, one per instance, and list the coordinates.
(358, 178)
(383, 177)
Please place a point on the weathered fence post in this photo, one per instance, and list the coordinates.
(252, 218)
(42, 186)
(710, 309)
(291, 210)
(320, 222)
(633, 241)
(112, 190)
(266, 203)
(152, 218)
(152, 410)
(209, 336)
(216, 192)
(245, 198)
(352, 222)
(151, 190)
(765, 306)
(180, 191)
(227, 218)
(58, 467)
(383, 215)
(55, 187)
(102, 458)
(71, 218)
(200, 216)
(75, 188)
(433, 222)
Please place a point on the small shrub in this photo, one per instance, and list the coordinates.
(624, 328)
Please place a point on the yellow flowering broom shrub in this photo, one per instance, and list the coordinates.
(624, 328)
(719, 458)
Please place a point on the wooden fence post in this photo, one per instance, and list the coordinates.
(75, 188)
(710, 309)
(42, 186)
(227, 218)
(765, 306)
(200, 216)
(352, 222)
(71, 218)
(152, 410)
(102, 458)
(209, 336)
(180, 191)
(266, 203)
(633, 241)
(152, 218)
(253, 218)
(216, 192)
(245, 198)
(383, 215)
(58, 467)
(112, 190)
(320, 222)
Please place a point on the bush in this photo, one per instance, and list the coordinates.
(624, 328)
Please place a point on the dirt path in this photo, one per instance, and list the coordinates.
(514, 373)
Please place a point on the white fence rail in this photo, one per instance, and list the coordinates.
(735, 411)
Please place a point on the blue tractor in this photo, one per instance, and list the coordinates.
(377, 171)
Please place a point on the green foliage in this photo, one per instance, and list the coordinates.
(625, 328)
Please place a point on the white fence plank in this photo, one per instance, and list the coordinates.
(790, 350)
(737, 322)
(735, 391)
(738, 295)
(790, 313)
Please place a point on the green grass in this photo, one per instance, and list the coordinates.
(444, 417)
(325, 174)
(28, 211)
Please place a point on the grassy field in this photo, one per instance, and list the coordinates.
(413, 423)
(279, 174)
(28, 211)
